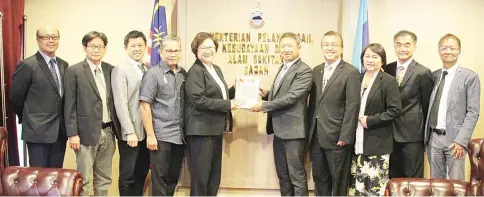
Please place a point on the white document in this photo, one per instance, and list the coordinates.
(247, 92)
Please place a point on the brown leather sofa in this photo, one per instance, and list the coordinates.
(32, 181)
(443, 187)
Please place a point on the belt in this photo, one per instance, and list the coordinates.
(106, 124)
(438, 131)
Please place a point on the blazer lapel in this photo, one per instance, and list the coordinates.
(318, 82)
(453, 85)
(374, 87)
(219, 73)
(208, 75)
(107, 79)
(408, 73)
(45, 68)
(286, 74)
(335, 74)
(90, 77)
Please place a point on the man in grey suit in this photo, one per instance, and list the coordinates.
(286, 109)
(89, 110)
(453, 112)
(334, 104)
(37, 96)
(415, 81)
(134, 159)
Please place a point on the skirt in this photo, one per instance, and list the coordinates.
(369, 175)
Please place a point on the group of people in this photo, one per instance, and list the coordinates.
(360, 129)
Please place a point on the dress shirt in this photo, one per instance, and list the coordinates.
(442, 115)
(217, 79)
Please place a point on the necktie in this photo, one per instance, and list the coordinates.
(400, 74)
(279, 77)
(101, 87)
(141, 66)
(326, 76)
(434, 113)
(52, 65)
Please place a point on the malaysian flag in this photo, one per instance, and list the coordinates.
(158, 31)
(361, 36)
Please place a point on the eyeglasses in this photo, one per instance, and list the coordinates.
(334, 45)
(141, 46)
(169, 51)
(47, 38)
(451, 49)
(93, 47)
(207, 48)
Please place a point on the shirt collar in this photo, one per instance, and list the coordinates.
(134, 63)
(405, 65)
(47, 58)
(289, 64)
(166, 68)
(93, 66)
(333, 65)
(451, 70)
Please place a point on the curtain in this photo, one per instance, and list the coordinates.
(13, 11)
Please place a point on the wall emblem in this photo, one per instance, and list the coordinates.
(256, 20)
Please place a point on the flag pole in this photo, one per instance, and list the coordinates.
(22, 53)
(2, 77)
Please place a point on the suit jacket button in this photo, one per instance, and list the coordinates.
(58, 100)
(317, 117)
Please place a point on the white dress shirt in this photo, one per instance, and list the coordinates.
(442, 115)
(217, 79)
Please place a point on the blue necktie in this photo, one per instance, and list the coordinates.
(52, 65)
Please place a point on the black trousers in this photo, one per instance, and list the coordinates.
(166, 164)
(289, 159)
(134, 163)
(407, 160)
(331, 169)
(205, 164)
(47, 155)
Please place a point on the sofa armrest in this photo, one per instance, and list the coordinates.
(425, 187)
(34, 181)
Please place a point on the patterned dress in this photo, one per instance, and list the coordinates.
(369, 175)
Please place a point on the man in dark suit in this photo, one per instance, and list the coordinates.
(333, 111)
(38, 98)
(415, 81)
(286, 109)
(89, 109)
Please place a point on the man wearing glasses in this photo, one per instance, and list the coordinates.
(89, 111)
(134, 160)
(334, 104)
(37, 96)
(453, 112)
(162, 107)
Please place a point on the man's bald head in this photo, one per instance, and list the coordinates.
(48, 40)
(42, 30)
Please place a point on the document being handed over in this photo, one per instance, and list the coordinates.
(247, 92)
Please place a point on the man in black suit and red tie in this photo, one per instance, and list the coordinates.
(38, 98)
(415, 82)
